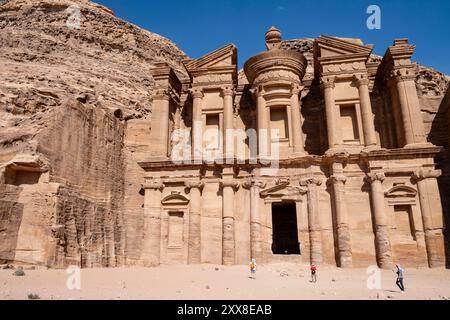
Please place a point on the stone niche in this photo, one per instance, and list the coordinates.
(348, 107)
(174, 227)
(25, 170)
(405, 220)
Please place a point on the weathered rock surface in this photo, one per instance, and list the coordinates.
(66, 94)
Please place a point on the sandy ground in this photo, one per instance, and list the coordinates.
(281, 281)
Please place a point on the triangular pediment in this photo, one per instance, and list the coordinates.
(334, 46)
(223, 57)
(282, 190)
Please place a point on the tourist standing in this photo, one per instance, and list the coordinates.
(400, 273)
(313, 273)
(252, 268)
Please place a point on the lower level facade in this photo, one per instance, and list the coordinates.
(378, 207)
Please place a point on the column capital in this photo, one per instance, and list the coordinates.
(161, 94)
(375, 176)
(194, 184)
(227, 91)
(423, 173)
(327, 82)
(401, 75)
(338, 178)
(361, 79)
(252, 182)
(153, 184)
(257, 91)
(296, 89)
(196, 93)
(311, 180)
(229, 183)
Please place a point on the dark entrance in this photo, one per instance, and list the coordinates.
(284, 224)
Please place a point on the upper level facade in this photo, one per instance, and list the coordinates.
(285, 104)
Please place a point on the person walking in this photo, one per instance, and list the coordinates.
(313, 273)
(252, 268)
(400, 274)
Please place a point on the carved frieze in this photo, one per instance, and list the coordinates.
(344, 67)
(209, 79)
(277, 75)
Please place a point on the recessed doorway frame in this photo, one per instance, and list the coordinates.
(286, 203)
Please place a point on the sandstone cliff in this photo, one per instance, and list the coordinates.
(66, 93)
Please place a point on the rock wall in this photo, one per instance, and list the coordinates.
(68, 95)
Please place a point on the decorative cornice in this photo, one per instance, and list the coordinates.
(337, 156)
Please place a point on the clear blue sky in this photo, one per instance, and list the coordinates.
(201, 26)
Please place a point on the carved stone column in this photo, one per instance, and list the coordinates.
(296, 120)
(314, 223)
(255, 220)
(195, 208)
(431, 215)
(159, 134)
(263, 124)
(330, 112)
(228, 231)
(151, 244)
(228, 134)
(370, 137)
(197, 125)
(382, 241)
(338, 180)
(410, 107)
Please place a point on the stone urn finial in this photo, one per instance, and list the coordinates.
(273, 38)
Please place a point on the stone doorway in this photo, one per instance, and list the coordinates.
(285, 231)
